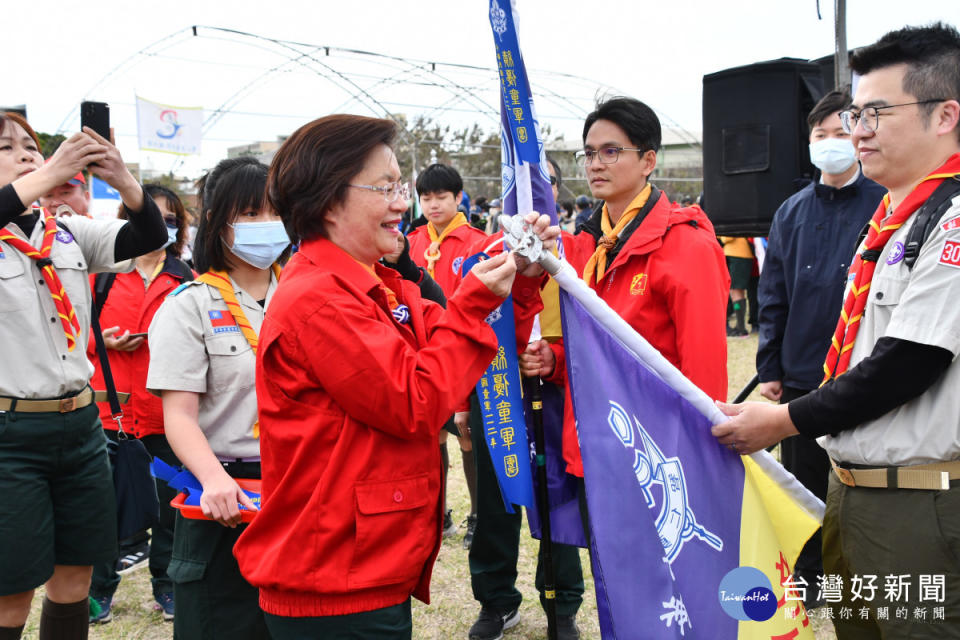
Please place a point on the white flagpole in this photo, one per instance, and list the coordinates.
(566, 276)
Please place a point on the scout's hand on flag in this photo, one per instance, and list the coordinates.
(537, 360)
(753, 426)
(220, 497)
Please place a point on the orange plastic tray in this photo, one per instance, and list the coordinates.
(194, 512)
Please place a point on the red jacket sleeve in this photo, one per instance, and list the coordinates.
(696, 289)
(378, 378)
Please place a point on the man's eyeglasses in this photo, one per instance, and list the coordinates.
(390, 191)
(607, 155)
(869, 117)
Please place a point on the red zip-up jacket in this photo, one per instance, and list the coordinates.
(670, 283)
(131, 307)
(350, 403)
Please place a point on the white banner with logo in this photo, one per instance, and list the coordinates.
(163, 127)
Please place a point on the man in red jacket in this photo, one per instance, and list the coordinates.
(656, 264)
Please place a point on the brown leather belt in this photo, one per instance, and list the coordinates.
(934, 476)
(58, 405)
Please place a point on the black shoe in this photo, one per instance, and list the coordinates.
(135, 559)
(567, 628)
(491, 623)
(471, 530)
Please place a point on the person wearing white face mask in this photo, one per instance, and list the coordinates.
(203, 346)
(801, 287)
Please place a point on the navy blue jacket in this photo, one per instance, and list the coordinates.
(810, 247)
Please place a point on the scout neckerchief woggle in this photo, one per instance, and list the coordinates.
(399, 311)
(220, 281)
(864, 264)
(68, 318)
(432, 253)
(597, 264)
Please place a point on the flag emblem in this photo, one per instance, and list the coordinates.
(222, 322)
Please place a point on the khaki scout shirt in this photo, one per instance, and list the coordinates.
(36, 363)
(192, 351)
(921, 305)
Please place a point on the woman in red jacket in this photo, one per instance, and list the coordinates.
(127, 303)
(356, 375)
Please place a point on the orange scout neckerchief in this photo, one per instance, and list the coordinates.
(841, 347)
(392, 300)
(432, 253)
(68, 318)
(220, 281)
(597, 264)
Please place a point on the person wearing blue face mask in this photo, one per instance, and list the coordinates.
(127, 303)
(801, 286)
(204, 343)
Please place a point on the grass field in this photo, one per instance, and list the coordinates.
(453, 609)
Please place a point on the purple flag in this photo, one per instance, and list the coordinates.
(664, 497)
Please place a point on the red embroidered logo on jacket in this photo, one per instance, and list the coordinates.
(950, 255)
(638, 286)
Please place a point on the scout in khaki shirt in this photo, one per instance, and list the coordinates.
(889, 409)
(59, 516)
(203, 344)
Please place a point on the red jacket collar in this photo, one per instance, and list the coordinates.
(649, 235)
(462, 232)
(328, 256)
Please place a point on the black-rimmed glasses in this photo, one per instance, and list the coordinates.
(607, 155)
(869, 117)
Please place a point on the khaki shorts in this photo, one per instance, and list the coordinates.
(57, 492)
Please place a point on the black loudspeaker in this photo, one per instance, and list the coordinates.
(755, 141)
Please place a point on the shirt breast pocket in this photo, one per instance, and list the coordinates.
(232, 362)
(885, 292)
(71, 268)
(14, 288)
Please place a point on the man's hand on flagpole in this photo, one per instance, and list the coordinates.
(537, 360)
(753, 426)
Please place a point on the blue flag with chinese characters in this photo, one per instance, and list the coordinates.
(683, 540)
(525, 181)
(501, 408)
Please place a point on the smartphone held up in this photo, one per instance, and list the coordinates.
(96, 115)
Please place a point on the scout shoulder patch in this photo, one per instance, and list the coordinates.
(950, 255)
(951, 224)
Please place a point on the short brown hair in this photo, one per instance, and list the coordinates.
(311, 171)
(15, 117)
